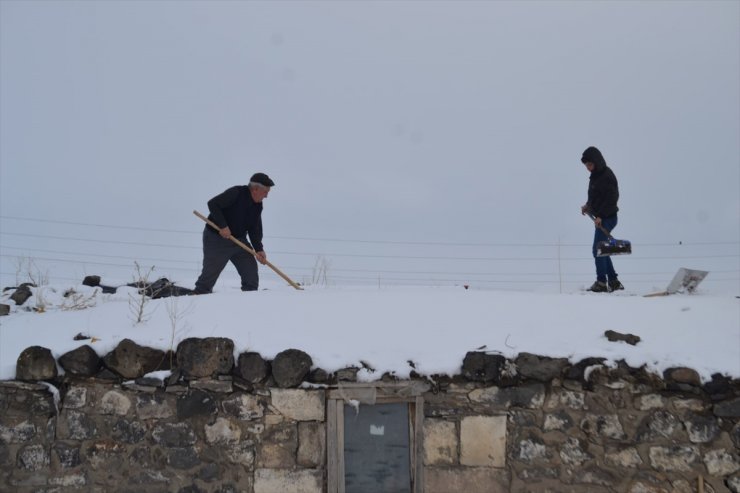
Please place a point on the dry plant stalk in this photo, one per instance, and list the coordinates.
(79, 301)
(137, 305)
(27, 266)
(176, 314)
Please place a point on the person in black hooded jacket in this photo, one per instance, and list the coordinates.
(603, 194)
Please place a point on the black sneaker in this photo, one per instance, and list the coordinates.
(599, 287)
(615, 285)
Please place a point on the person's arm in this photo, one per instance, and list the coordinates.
(261, 257)
(612, 192)
(255, 238)
(216, 206)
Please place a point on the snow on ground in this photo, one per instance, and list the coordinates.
(434, 327)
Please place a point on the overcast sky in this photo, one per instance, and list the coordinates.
(418, 121)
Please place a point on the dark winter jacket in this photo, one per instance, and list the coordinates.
(603, 189)
(236, 209)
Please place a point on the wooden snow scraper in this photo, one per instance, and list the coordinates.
(685, 280)
(245, 247)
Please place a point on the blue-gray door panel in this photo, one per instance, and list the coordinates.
(376, 449)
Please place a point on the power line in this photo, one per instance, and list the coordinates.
(396, 271)
(373, 275)
(109, 226)
(345, 240)
(374, 271)
(340, 240)
(85, 262)
(3, 247)
(90, 240)
(426, 280)
(11, 274)
(353, 255)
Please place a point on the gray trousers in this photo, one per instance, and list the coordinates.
(217, 252)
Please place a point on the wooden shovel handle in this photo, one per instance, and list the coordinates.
(245, 247)
(653, 295)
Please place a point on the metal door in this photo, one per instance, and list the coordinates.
(377, 449)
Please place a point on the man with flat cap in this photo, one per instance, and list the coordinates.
(237, 212)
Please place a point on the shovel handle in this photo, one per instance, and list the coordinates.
(250, 250)
(602, 228)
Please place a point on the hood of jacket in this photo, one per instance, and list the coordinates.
(593, 155)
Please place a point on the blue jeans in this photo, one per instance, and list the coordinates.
(604, 267)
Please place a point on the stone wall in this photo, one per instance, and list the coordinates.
(529, 425)
(205, 437)
(563, 437)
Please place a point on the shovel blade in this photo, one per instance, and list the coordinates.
(613, 246)
(686, 280)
